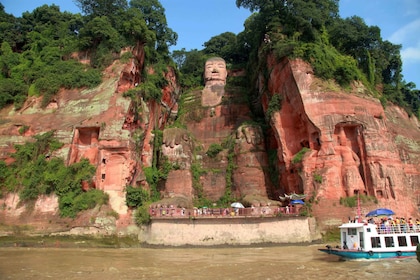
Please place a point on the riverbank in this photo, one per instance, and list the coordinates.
(69, 241)
(116, 242)
(202, 231)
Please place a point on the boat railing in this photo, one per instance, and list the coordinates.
(402, 228)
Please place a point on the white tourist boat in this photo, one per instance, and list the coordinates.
(371, 241)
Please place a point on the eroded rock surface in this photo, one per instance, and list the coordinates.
(354, 145)
(352, 141)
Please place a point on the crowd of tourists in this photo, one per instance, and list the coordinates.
(397, 225)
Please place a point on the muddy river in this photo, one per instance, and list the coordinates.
(273, 262)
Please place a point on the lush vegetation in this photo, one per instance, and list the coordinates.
(36, 172)
(39, 51)
(214, 150)
(339, 49)
(36, 55)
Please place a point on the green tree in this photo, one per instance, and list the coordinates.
(412, 97)
(134, 28)
(99, 36)
(154, 15)
(191, 65)
(303, 16)
(99, 8)
(8, 60)
(12, 91)
(99, 31)
(9, 29)
(222, 45)
(353, 37)
(136, 197)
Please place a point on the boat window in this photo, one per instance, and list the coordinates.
(389, 241)
(362, 240)
(352, 231)
(368, 229)
(402, 241)
(376, 243)
(414, 240)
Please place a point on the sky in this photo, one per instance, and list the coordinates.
(197, 21)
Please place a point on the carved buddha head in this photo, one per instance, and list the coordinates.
(215, 71)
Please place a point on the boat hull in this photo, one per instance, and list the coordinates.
(356, 254)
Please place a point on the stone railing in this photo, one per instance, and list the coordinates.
(267, 211)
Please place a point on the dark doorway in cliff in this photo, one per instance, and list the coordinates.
(315, 142)
(87, 135)
(84, 144)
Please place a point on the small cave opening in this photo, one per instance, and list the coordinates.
(88, 135)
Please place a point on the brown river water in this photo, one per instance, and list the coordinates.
(270, 262)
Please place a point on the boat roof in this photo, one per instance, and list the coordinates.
(352, 225)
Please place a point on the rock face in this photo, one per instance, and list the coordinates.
(99, 125)
(215, 117)
(353, 145)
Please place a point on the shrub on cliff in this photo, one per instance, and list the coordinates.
(214, 150)
(299, 156)
(36, 172)
(136, 197)
(142, 215)
(72, 203)
(328, 63)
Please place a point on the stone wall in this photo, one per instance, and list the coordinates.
(230, 231)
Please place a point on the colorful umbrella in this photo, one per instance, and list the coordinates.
(380, 212)
(297, 201)
(237, 205)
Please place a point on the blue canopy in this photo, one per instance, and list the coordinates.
(297, 201)
(380, 212)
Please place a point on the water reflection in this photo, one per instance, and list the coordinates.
(278, 262)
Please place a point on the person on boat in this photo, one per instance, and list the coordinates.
(345, 247)
(387, 226)
(403, 225)
(393, 226)
(398, 224)
(410, 224)
(355, 246)
(382, 227)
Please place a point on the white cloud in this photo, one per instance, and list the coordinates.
(411, 54)
(406, 33)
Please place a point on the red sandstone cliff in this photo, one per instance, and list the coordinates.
(355, 145)
(96, 124)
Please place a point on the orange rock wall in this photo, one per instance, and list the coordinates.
(352, 146)
(355, 145)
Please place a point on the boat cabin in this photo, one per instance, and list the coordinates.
(370, 237)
